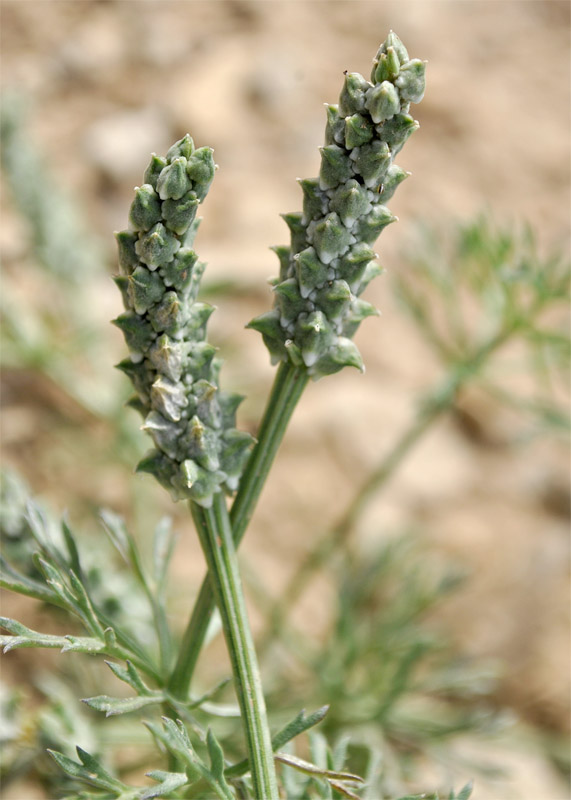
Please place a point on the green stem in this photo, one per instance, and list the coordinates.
(215, 533)
(288, 386)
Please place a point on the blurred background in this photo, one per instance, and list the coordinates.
(89, 89)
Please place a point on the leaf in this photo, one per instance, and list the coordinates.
(168, 782)
(16, 582)
(310, 769)
(130, 676)
(115, 528)
(464, 793)
(298, 725)
(26, 637)
(113, 706)
(217, 765)
(90, 771)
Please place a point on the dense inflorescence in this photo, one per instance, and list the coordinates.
(330, 262)
(174, 370)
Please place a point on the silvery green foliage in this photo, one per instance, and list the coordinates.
(330, 260)
(174, 370)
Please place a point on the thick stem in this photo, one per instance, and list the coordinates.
(215, 533)
(288, 386)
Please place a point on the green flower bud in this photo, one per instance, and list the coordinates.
(314, 200)
(199, 314)
(331, 238)
(392, 180)
(157, 247)
(284, 255)
(372, 162)
(173, 182)
(122, 283)
(342, 353)
(167, 356)
(290, 302)
(335, 128)
(200, 358)
(336, 166)
(372, 270)
(358, 130)
(201, 444)
(184, 147)
(311, 271)
(350, 201)
(229, 402)
(178, 273)
(236, 447)
(314, 335)
(352, 97)
(352, 265)
(360, 310)
(145, 208)
(140, 376)
(160, 466)
(154, 169)
(138, 333)
(128, 258)
(179, 214)
(297, 231)
(393, 41)
(387, 67)
(145, 289)
(396, 131)
(369, 227)
(163, 432)
(206, 407)
(201, 169)
(198, 483)
(334, 300)
(168, 398)
(268, 325)
(169, 316)
(411, 80)
(383, 101)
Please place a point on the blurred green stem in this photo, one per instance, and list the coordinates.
(215, 533)
(288, 387)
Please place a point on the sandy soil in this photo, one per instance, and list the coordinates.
(110, 82)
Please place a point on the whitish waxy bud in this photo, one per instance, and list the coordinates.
(336, 166)
(310, 270)
(331, 238)
(157, 247)
(350, 201)
(145, 209)
(352, 97)
(387, 67)
(372, 162)
(357, 131)
(184, 147)
(179, 214)
(383, 101)
(411, 81)
(173, 181)
(335, 128)
(201, 169)
(154, 169)
(329, 262)
(174, 370)
(145, 289)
